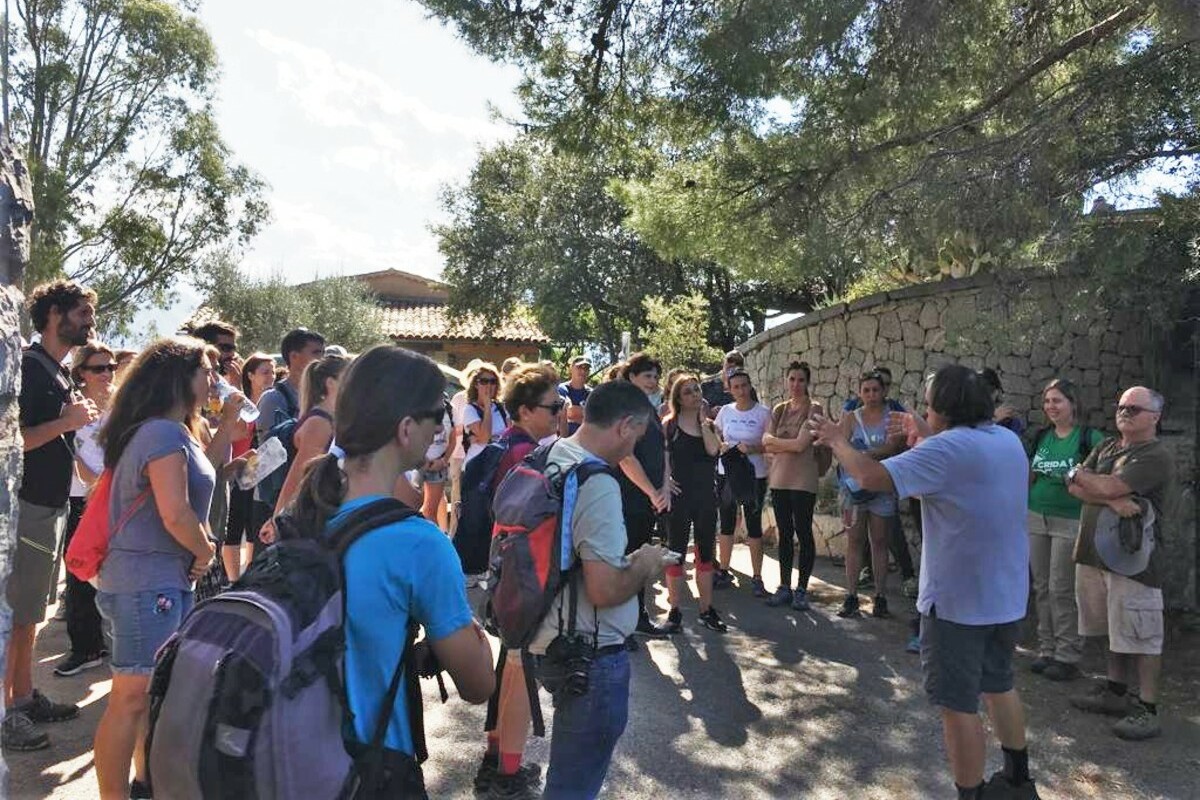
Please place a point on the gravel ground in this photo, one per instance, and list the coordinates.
(786, 704)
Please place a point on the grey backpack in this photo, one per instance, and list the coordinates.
(247, 699)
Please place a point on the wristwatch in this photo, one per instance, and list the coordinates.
(1071, 473)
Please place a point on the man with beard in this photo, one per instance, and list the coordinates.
(64, 314)
(223, 336)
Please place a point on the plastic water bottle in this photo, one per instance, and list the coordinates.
(248, 412)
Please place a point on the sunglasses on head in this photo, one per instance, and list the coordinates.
(1133, 411)
(96, 369)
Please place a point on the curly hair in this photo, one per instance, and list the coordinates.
(63, 295)
(525, 386)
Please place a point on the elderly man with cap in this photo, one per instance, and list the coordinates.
(575, 392)
(1128, 488)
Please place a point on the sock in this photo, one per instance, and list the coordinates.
(1118, 689)
(1016, 765)
(973, 793)
(493, 742)
(1151, 707)
(510, 763)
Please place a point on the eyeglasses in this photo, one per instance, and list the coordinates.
(1133, 411)
(97, 369)
(554, 408)
(487, 381)
(227, 347)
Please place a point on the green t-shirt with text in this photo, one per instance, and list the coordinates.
(1052, 459)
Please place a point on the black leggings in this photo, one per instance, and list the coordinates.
(694, 514)
(83, 618)
(240, 526)
(794, 517)
(752, 511)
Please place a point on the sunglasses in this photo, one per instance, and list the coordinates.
(226, 347)
(487, 381)
(97, 369)
(1133, 411)
(554, 408)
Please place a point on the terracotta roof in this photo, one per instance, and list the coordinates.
(406, 320)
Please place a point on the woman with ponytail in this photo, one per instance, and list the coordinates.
(388, 411)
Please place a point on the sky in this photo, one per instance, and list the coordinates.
(355, 115)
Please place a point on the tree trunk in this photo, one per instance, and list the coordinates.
(16, 214)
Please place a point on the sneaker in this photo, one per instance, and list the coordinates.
(879, 609)
(913, 645)
(650, 629)
(488, 771)
(712, 620)
(43, 709)
(517, 786)
(850, 608)
(782, 597)
(60, 611)
(1039, 664)
(800, 600)
(19, 733)
(910, 587)
(1139, 724)
(139, 791)
(1061, 671)
(674, 621)
(756, 586)
(722, 579)
(999, 787)
(1099, 700)
(75, 663)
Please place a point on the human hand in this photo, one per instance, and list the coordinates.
(1126, 507)
(202, 561)
(232, 407)
(78, 413)
(266, 534)
(232, 370)
(238, 464)
(666, 494)
(649, 560)
(743, 448)
(675, 487)
(656, 500)
(1004, 412)
(825, 431)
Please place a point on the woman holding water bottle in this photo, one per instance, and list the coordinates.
(258, 375)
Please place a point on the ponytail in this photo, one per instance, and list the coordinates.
(322, 492)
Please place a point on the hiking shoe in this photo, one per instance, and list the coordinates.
(139, 791)
(19, 733)
(722, 579)
(1061, 671)
(712, 620)
(1099, 700)
(489, 768)
(1039, 664)
(756, 586)
(43, 709)
(75, 663)
(850, 608)
(782, 597)
(910, 587)
(999, 787)
(521, 785)
(879, 609)
(674, 621)
(650, 629)
(800, 600)
(1139, 724)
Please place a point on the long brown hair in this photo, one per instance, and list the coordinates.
(313, 389)
(379, 389)
(158, 382)
(251, 366)
(675, 398)
(83, 353)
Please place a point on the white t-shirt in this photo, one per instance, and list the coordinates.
(438, 447)
(744, 427)
(470, 416)
(87, 450)
(457, 404)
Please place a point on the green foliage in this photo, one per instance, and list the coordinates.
(676, 332)
(808, 141)
(342, 309)
(133, 185)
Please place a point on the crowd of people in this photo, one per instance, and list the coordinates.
(1063, 512)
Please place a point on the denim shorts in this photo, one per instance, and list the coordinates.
(141, 622)
(880, 504)
(434, 476)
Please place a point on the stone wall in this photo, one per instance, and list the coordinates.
(1029, 331)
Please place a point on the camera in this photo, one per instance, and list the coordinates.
(567, 665)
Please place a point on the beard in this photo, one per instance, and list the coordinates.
(75, 335)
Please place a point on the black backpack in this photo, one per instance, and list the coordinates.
(1085, 442)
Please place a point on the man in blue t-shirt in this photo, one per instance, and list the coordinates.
(575, 392)
(972, 478)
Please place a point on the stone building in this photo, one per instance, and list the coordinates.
(1029, 331)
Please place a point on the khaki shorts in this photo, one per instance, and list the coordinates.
(1129, 613)
(35, 567)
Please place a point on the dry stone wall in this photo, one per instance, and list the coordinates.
(1029, 331)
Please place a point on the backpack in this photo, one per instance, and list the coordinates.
(247, 699)
(473, 530)
(532, 559)
(1085, 442)
(496, 408)
(283, 428)
(89, 544)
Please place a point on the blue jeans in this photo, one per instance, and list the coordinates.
(586, 730)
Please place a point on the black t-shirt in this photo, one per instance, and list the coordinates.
(651, 453)
(691, 465)
(47, 480)
(715, 394)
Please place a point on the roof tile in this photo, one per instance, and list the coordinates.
(414, 320)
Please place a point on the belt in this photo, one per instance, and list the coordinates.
(611, 649)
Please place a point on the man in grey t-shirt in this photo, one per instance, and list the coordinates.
(972, 478)
(607, 583)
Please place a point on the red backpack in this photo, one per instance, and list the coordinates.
(532, 556)
(89, 544)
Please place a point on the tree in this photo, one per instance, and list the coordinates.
(543, 229)
(677, 332)
(342, 309)
(801, 138)
(133, 184)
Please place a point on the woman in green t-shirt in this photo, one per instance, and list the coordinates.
(1053, 526)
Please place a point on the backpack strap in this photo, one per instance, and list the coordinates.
(1085, 443)
(291, 400)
